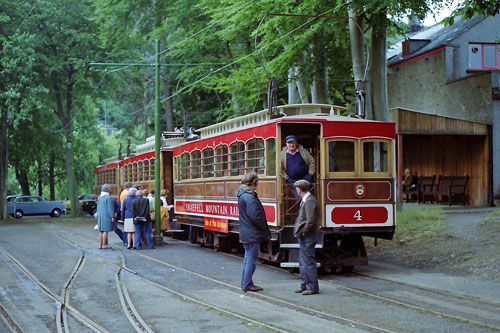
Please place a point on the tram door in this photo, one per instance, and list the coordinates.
(308, 135)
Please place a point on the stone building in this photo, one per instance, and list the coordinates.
(444, 93)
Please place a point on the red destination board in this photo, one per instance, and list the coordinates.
(215, 224)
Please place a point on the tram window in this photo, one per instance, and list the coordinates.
(271, 157)
(185, 166)
(146, 170)
(255, 155)
(208, 162)
(134, 172)
(237, 159)
(341, 156)
(129, 172)
(221, 161)
(114, 176)
(375, 156)
(196, 164)
(152, 169)
(140, 171)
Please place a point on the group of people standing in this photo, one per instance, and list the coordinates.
(298, 168)
(137, 213)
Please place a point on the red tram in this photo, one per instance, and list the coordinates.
(354, 182)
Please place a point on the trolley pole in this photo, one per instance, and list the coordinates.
(157, 238)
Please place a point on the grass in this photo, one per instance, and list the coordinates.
(414, 223)
(492, 218)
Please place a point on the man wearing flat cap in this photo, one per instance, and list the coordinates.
(306, 230)
(296, 163)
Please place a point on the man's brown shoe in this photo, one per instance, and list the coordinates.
(252, 288)
(309, 292)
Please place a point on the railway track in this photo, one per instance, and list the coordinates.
(61, 300)
(468, 309)
(274, 300)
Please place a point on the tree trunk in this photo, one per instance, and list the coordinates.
(22, 178)
(358, 57)
(52, 159)
(4, 163)
(378, 73)
(293, 96)
(318, 91)
(169, 110)
(39, 174)
(301, 87)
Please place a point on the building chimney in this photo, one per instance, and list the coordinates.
(414, 23)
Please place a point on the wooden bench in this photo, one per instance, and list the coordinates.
(426, 188)
(451, 187)
(458, 187)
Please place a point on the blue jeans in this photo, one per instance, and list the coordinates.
(121, 234)
(249, 264)
(307, 262)
(290, 182)
(147, 229)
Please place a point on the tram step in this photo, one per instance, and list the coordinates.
(174, 230)
(294, 264)
(297, 246)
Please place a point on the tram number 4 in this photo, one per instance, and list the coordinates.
(358, 216)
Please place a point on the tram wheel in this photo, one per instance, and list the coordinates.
(347, 269)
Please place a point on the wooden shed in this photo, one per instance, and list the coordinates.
(430, 145)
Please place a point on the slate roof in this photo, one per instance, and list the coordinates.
(438, 34)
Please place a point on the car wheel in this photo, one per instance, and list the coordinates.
(56, 212)
(19, 213)
(92, 211)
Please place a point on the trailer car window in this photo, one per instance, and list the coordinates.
(221, 161)
(208, 162)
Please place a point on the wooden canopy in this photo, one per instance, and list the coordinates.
(433, 145)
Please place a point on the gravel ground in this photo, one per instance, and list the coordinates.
(469, 245)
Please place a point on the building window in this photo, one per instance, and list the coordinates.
(483, 56)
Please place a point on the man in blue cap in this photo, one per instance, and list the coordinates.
(296, 163)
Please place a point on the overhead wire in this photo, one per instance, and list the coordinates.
(185, 39)
(26, 17)
(169, 48)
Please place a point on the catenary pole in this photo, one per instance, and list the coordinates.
(157, 238)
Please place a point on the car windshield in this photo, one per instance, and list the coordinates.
(87, 197)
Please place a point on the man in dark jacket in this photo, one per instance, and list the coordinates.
(142, 221)
(306, 230)
(253, 228)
